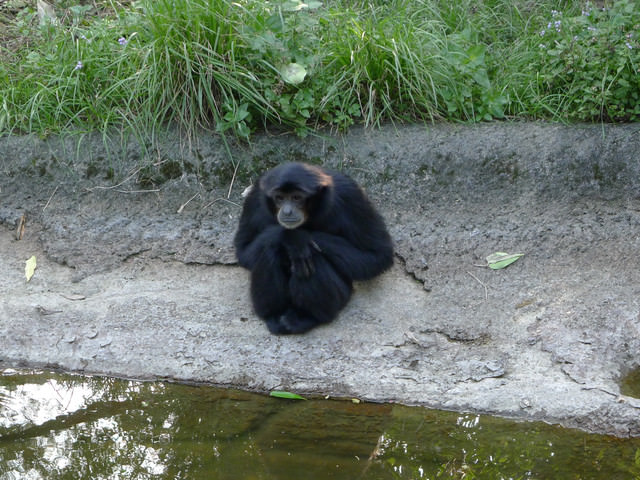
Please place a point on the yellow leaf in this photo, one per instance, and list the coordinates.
(30, 267)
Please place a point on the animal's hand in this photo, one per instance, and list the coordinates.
(300, 247)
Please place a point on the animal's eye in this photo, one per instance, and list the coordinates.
(297, 197)
(278, 198)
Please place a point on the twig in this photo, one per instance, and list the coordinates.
(486, 290)
(220, 199)
(113, 187)
(49, 201)
(186, 203)
(139, 191)
(233, 179)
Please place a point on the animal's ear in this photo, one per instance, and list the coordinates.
(322, 190)
(324, 180)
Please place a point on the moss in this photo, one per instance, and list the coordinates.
(597, 173)
(630, 383)
(171, 169)
(92, 170)
(503, 166)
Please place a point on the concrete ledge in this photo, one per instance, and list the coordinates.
(138, 280)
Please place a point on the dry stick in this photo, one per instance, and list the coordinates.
(112, 187)
(186, 203)
(220, 199)
(115, 187)
(139, 191)
(486, 290)
(49, 201)
(233, 179)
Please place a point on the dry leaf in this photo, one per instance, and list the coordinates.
(30, 267)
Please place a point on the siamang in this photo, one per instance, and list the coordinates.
(305, 234)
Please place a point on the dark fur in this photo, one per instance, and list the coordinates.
(303, 277)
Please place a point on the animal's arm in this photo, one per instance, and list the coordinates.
(250, 247)
(357, 263)
(354, 238)
(256, 231)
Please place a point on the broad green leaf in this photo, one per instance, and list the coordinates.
(46, 13)
(30, 267)
(290, 396)
(500, 260)
(293, 73)
(297, 5)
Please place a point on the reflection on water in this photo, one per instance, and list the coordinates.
(75, 427)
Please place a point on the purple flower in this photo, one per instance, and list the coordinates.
(78, 66)
(122, 41)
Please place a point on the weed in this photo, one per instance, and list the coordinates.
(590, 62)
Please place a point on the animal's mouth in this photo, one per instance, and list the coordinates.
(291, 223)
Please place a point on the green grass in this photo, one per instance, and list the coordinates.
(222, 65)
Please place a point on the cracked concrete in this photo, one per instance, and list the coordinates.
(136, 273)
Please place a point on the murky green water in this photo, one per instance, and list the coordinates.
(75, 427)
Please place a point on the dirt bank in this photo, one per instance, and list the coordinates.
(136, 274)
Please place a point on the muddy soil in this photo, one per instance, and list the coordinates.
(137, 278)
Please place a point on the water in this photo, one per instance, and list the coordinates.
(56, 426)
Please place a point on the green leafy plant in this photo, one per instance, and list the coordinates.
(591, 61)
(235, 67)
(471, 93)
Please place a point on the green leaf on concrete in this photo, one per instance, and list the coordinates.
(500, 260)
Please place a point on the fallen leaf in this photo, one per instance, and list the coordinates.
(30, 267)
(500, 260)
(290, 396)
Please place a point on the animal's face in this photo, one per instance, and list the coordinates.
(290, 207)
(296, 193)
